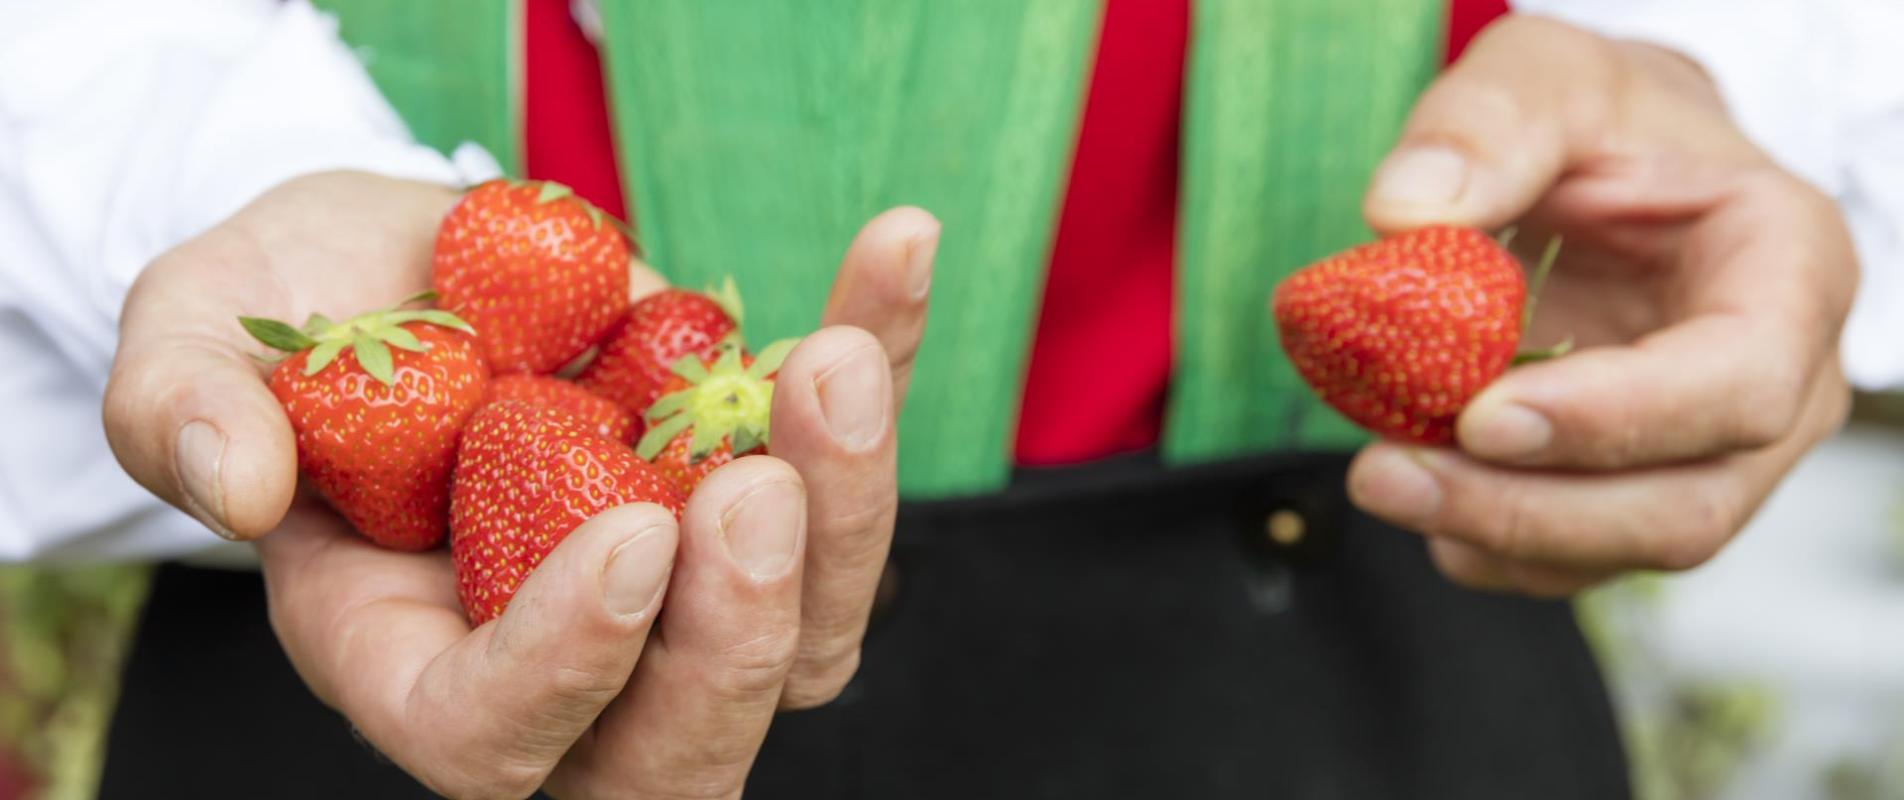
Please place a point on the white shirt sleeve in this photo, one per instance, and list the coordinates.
(126, 127)
(1820, 85)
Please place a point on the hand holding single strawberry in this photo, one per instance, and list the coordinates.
(1704, 285)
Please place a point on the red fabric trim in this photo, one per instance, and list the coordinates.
(565, 130)
(1465, 19)
(1101, 359)
(1100, 363)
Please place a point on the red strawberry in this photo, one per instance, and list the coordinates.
(589, 412)
(1399, 334)
(525, 478)
(538, 271)
(377, 425)
(713, 410)
(633, 366)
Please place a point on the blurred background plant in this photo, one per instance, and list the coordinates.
(64, 631)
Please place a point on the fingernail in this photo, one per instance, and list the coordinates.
(763, 529)
(1506, 431)
(199, 457)
(637, 571)
(1394, 483)
(919, 254)
(853, 397)
(1422, 175)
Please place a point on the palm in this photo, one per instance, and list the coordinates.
(537, 694)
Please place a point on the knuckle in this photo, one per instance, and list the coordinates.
(488, 781)
(1509, 525)
(755, 666)
(1767, 406)
(816, 682)
(1704, 518)
(1620, 438)
(582, 687)
(1482, 101)
(863, 523)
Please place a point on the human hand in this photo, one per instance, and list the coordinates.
(1704, 286)
(642, 657)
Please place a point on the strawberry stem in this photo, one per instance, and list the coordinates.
(1533, 356)
(1546, 265)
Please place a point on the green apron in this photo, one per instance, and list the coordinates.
(758, 135)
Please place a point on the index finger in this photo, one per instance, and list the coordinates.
(1756, 315)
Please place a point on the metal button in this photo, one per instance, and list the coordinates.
(1285, 527)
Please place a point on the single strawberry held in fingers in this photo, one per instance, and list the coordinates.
(378, 403)
(586, 410)
(633, 366)
(540, 272)
(1399, 334)
(712, 412)
(525, 478)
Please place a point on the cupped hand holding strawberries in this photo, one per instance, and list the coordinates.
(636, 652)
(1703, 288)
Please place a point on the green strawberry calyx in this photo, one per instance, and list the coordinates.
(369, 336)
(725, 401)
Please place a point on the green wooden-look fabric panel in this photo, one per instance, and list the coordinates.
(450, 67)
(1290, 105)
(758, 135)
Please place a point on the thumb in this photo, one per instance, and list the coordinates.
(185, 411)
(1493, 133)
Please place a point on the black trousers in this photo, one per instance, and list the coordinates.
(1119, 630)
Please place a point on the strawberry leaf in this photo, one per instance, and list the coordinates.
(323, 355)
(690, 368)
(770, 359)
(420, 297)
(745, 440)
(374, 356)
(277, 334)
(727, 296)
(669, 405)
(551, 192)
(433, 316)
(316, 324)
(729, 361)
(401, 339)
(706, 438)
(658, 436)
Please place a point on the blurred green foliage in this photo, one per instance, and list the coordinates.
(1686, 738)
(64, 632)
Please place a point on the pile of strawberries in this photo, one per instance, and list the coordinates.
(421, 423)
